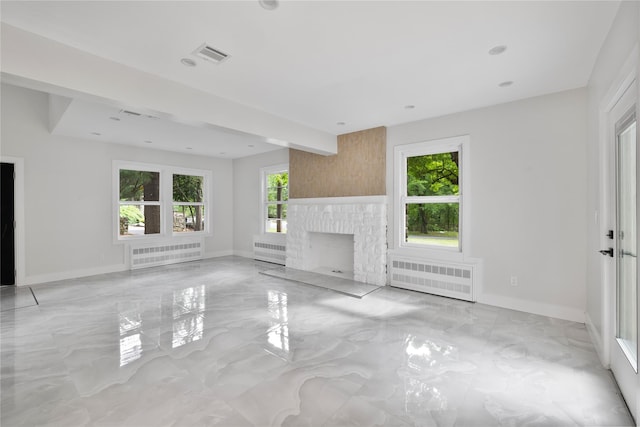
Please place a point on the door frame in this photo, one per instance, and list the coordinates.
(608, 216)
(19, 243)
(606, 220)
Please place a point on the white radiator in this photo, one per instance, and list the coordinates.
(150, 254)
(433, 277)
(270, 248)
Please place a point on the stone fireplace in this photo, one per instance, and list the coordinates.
(362, 219)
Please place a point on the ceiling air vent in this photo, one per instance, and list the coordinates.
(210, 54)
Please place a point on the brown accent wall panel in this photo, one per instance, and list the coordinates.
(359, 168)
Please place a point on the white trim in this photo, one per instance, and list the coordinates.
(434, 146)
(432, 199)
(18, 206)
(165, 200)
(218, 254)
(243, 254)
(139, 166)
(264, 212)
(116, 166)
(207, 178)
(382, 200)
(460, 143)
(596, 339)
(611, 108)
(625, 78)
(623, 81)
(74, 274)
(276, 238)
(542, 309)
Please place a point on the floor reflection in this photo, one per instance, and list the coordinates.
(188, 321)
(130, 321)
(181, 311)
(278, 333)
(422, 356)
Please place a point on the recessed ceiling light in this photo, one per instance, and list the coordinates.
(188, 62)
(114, 119)
(269, 4)
(96, 133)
(148, 142)
(506, 84)
(341, 123)
(188, 148)
(497, 50)
(409, 107)
(250, 145)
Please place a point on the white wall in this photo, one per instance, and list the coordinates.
(68, 192)
(247, 194)
(617, 48)
(528, 178)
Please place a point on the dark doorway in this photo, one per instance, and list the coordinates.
(7, 225)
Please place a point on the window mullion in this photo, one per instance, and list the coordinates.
(138, 203)
(166, 196)
(431, 199)
(188, 203)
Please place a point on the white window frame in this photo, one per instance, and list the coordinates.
(445, 145)
(264, 203)
(206, 179)
(165, 199)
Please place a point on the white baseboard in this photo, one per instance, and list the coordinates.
(74, 274)
(549, 310)
(244, 254)
(596, 339)
(217, 254)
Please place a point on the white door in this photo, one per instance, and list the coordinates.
(624, 248)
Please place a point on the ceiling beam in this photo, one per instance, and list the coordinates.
(44, 64)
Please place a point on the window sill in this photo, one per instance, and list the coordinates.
(430, 253)
(273, 237)
(151, 237)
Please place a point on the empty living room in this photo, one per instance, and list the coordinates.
(319, 213)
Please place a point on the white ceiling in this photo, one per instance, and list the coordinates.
(323, 62)
(106, 123)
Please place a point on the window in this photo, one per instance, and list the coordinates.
(430, 187)
(139, 202)
(188, 203)
(275, 198)
(155, 200)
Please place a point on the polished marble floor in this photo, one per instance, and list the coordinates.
(14, 297)
(217, 343)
